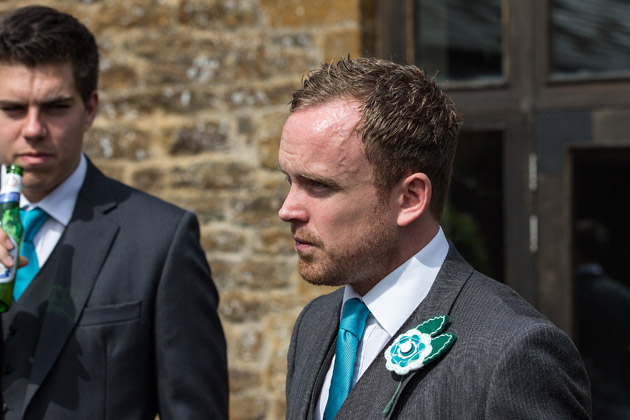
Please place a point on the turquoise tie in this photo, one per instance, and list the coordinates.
(350, 331)
(32, 220)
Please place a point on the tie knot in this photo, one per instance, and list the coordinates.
(32, 220)
(354, 315)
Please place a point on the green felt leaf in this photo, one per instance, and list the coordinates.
(433, 325)
(440, 344)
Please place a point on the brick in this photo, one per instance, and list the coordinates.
(295, 13)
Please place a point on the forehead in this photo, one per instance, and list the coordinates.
(322, 134)
(42, 81)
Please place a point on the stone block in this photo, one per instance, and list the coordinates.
(117, 141)
(259, 210)
(204, 14)
(148, 179)
(246, 343)
(250, 405)
(140, 103)
(341, 43)
(275, 240)
(268, 138)
(203, 136)
(222, 240)
(243, 379)
(209, 207)
(296, 13)
(116, 76)
(255, 97)
(213, 175)
(241, 306)
(117, 15)
(261, 273)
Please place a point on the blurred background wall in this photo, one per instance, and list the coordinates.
(194, 94)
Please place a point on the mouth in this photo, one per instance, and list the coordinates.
(299, 242)
(33, 158)
(303, 243)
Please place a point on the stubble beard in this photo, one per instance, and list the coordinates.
(365, 260)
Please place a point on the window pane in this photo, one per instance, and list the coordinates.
(473, 215)
(459, 39)
(590, 37)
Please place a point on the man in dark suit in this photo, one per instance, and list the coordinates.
(120, 321)
(416, 333)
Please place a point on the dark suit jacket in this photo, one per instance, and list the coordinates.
(508, 361)
(131, 325)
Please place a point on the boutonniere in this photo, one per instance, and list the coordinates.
(416, 348)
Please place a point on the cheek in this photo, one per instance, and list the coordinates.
(67, 137)
(340, 221)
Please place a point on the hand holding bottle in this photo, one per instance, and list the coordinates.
(7, 245)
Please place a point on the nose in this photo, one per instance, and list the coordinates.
(293, 210)
(34, 128)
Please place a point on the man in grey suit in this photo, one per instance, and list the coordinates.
(416, 333)
(120, 321)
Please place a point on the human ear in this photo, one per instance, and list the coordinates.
(91, 107)
(414, 196)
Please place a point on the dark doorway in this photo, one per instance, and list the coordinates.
(601, 256)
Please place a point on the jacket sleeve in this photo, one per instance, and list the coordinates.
(190, 349)
(539, 376)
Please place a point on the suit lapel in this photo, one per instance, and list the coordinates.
(83, 247)
(363, 401)
(321, 353)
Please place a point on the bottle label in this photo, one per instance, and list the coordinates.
(10, 196)
(8, 274)
(12, 183)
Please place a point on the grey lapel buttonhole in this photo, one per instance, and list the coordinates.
(416, 348)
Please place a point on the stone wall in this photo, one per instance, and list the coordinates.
(193, 97)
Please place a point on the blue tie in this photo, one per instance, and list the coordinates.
(32, 220)
(350, 331)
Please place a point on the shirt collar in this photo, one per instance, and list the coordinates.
(59, 204)
(405, 287)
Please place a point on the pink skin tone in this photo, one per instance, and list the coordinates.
(336, 218)
(330, 180)
(42, 123)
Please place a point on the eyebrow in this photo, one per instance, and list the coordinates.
(315, 178)
(61, 99)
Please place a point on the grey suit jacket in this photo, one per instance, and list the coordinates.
(131, 326)
(508, 361)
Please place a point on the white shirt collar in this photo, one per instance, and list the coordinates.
(59, 204)
(405, 287)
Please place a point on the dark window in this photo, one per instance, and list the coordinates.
(473, 217)
(459, 39)
(590, 38)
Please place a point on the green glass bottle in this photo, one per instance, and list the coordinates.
(10, 222)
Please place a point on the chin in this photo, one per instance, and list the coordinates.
(317, 275)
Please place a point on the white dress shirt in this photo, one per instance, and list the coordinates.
(404, 289)
(59, 204)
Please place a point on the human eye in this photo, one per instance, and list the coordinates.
(12, 109)
(317, 185)
(57, 107)
(320, 188)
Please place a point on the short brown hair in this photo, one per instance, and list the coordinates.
(408, 124)
(38, 35)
